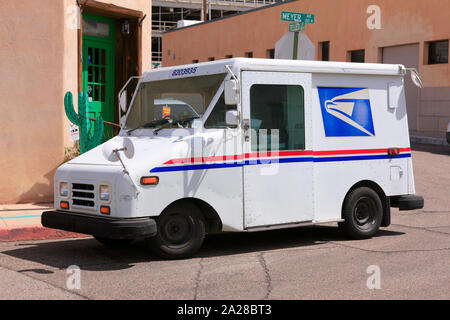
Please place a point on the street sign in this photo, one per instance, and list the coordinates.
(297, 17)
(297, 26)
(296, 46)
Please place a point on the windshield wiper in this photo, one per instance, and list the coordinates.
(173, 122)
(150, 124)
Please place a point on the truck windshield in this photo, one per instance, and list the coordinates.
(184, 98)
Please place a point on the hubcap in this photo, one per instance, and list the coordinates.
(177, 230)
(364, 212)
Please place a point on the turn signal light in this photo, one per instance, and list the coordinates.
(146, 181)
(105, 210)
(64, 205)
(393, 152)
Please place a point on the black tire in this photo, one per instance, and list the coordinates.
(181, 231)
(362, 212)
(113, 242)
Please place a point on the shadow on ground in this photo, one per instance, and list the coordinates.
(245, 242)
(89, 254)
(436, 149)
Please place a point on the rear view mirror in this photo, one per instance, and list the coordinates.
(232, 118)
(416, 78)
(231, 92)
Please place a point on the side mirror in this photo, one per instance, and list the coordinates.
(123, 101)
(232, 118)
(231, 92)
(416, 78)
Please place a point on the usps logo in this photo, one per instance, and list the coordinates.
(346, 112)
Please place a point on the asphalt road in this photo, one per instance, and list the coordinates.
(408, 260)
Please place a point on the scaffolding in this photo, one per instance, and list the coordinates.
(166, 15)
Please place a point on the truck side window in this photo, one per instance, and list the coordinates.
(277, 110)
(217, 117)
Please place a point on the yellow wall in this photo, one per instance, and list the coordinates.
(38, 64)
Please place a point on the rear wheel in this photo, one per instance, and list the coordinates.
(181, 231)
(362, 212)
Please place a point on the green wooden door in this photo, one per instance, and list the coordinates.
(98, 65)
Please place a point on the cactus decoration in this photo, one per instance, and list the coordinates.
(88, 141)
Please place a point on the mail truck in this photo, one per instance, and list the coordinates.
(261, 144)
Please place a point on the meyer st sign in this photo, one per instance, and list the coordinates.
(297, 17)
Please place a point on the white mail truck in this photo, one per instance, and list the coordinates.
(245, 145)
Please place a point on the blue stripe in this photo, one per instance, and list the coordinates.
(197, 167)
(20, 217)
(268, 161)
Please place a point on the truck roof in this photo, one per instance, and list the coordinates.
(257, 64)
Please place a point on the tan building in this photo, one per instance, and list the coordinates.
(44, 54)
(412, 32)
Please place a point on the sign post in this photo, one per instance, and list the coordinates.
(295, 52)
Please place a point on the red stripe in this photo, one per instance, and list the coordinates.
(204, 159)
(339, 152)
(360, 151)
(279, 154)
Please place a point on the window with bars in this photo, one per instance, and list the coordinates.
(96, 82)
(438, 52)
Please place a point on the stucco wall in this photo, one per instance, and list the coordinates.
(31, 64)
(344, 24)
(38, 64)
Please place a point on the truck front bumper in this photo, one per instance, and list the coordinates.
(407, 202)
(98, 226)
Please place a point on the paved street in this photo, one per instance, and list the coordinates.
(413, 257)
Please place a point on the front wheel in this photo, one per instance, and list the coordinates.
(181, 231)
(362, 212)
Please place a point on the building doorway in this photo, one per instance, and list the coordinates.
(98, 65)
(110, 52)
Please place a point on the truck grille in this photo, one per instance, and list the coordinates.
(83, 195)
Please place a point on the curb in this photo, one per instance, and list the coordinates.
(36, 233)
(429, 140)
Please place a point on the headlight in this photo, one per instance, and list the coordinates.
(64, 189)
(105, 192)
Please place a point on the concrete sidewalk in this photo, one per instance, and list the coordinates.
(20, 222)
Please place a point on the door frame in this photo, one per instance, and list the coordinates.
(107, 43)
(109, 11)
(300, 160)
